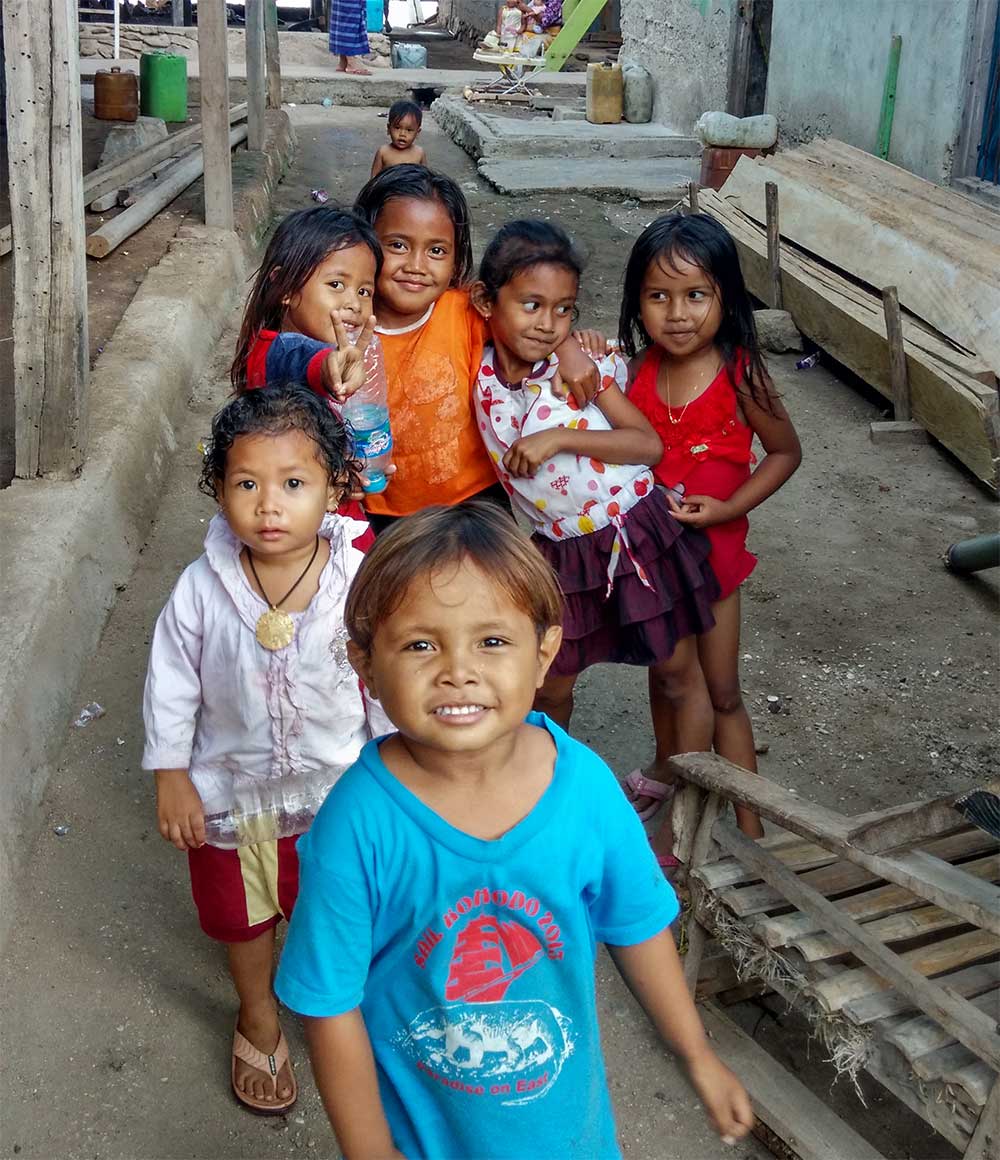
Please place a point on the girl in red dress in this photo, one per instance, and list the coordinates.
(698, 377)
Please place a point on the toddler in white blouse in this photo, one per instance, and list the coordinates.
(251, 708)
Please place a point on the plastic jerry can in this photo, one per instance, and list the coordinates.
(116, 95)
(374, 15)
(638, 93)
(408, 55)
(163, 85)
(604, 94)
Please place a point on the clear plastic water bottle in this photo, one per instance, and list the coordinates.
(367, 411)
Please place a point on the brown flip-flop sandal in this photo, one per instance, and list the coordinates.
(270, 1065)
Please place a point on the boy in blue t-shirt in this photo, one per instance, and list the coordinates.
(458, 877)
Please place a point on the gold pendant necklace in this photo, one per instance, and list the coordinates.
(275, 628)
(670, 413)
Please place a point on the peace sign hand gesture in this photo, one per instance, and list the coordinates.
(344, 368)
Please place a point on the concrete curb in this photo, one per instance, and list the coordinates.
(67, 546)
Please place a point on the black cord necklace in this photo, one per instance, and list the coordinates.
(275, 628)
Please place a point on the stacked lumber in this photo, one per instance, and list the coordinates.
(852, 224)
(884, 929)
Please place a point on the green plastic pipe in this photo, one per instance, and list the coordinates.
(889, 97)
(974, 554)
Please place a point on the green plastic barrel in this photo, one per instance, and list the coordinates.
(163, 86)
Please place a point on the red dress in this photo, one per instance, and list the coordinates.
(706, 453)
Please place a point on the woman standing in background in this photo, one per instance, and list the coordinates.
(348, 35)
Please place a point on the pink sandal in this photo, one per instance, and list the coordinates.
(661, 792)
(270, 1065)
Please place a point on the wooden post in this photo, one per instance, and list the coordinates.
(697, 935)
(272, 54)
(255, 73)
(773, 245)
(739, 58)
(693, 196)
(213, 68)
(901, 428)
(51, 360)
(177, 12)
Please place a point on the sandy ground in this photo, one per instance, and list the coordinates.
(116, 1011)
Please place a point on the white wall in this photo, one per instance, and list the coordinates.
(827, 72)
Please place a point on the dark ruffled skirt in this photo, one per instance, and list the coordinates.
(634, 625)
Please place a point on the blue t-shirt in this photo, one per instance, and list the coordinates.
(472, 960)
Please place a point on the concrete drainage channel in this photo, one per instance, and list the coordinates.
(69, 545)
(532, 152)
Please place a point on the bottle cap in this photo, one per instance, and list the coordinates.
(377, 482)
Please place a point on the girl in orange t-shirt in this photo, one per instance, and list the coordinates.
(432, 340)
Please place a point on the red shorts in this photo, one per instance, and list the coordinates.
(242, 893)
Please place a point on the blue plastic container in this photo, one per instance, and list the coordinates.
(374, 15)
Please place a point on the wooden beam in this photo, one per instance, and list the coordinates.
(969, 1026)
(985, 1142)
(810, 1129)
(739, 58)
(213, 68)
(898, 378)
(118, 174)
(697, 936)
(256, 94)
(773, 245)
(693, 197)
(883, 829)
(51, 360)
(272, 54)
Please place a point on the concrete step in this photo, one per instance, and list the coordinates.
(656, 180)
(490, 136)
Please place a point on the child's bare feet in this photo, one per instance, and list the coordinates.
(263, 1079)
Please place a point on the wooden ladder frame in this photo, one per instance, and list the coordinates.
(573, 31)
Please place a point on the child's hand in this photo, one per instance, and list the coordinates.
(528, 454)
(724, 1097)
(179, 812)
(578, 374)
(593, 342)
(359, 494)
(701, 511)
(344, 368)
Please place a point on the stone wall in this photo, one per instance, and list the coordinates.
(470, 19)
(827, 72)
(685, 46)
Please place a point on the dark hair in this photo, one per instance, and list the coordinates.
(299, 244)
(421, 544)
(701, 240)
(518, 246)
(274, 410)
(402, 109)
(423, 184)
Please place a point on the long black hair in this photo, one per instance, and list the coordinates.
(518, 246)
(704, 242)
(423, 184)
(298, 246)
(275, 410)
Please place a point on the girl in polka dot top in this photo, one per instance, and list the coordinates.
(637, 585)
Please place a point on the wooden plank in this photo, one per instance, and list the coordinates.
(905, 824)
(867, 906)
(256, 87)
(956, 1067)
(49, 317)
(790, 1110)
(273, 54)
(800, 856)
(213, 59)
(976, 901)
(118, 174)
(922, 1035)
(956, 298)
(697, 935)
(967, 982)
(985, 1140)
(955, 408)
(842, 877)
(741, 36)
(899, 382)
(946, 955)
(968, 1025)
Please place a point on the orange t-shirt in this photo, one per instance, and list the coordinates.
(431, 368)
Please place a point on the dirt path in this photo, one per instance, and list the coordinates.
(116, 1010)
